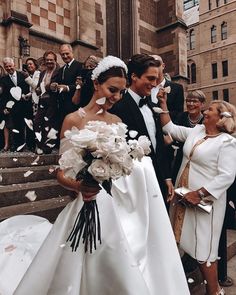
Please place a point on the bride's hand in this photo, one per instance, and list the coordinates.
(88, 191)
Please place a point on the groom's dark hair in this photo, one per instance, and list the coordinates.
(139, 63)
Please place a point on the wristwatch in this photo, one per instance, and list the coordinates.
(201, 194)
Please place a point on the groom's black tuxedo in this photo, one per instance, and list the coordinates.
(130, 114)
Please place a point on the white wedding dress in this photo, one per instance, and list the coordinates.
(138, 254)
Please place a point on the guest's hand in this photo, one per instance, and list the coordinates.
(192, 198)
(53, 87)
(25, 74)
(162, 96)
(62, 88)
(170, 190)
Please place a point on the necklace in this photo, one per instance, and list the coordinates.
(195, 122)
(212, 135)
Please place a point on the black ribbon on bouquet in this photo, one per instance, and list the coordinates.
(87, 225)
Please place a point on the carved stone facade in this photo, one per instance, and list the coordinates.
(211, 49)
(99, 27)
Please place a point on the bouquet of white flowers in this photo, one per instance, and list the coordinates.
(99, 153)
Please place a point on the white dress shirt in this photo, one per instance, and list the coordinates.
(147, 116)
(14, 78)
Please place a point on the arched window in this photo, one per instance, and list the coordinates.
(213, 34)
(191, 39)
(193, 73)
(224, 31)
(217, 3)
(209, 4)
(188, 73)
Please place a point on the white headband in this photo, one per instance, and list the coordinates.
(106, 63)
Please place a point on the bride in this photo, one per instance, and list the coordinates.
(138, 254)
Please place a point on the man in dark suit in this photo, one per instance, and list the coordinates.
(20, 108)
(65, 80)
(175, 99)
(135, 110)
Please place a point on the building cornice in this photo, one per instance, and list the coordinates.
(17, 18)
(178, 23)
(61, 41)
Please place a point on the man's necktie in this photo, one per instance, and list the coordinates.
(64, 70)
(142, 102)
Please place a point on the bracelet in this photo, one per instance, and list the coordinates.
(164, 112)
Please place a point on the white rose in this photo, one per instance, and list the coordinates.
(84, 139)
(137, 153)
(145, 143)
(116, 171)
(71, 162)
(99, 170)
(127, 165)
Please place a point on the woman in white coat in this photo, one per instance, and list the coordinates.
(208, 169)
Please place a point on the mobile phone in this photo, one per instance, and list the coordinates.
(24, 67)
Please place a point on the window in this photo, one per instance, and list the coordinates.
(213, 34)
(215, 95)
(214, 70)
(217, 3)
(193, 73)
(225, 68)
(190, 3)
(188, 69)
(226, 95)
(209, 4)
(223, 31)
(225, 1)
(191, 39)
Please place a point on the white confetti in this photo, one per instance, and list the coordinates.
(31, 195)
(52, 134)
(35, 162)
(101, 101)
(190, 280)
(10, 104)
(15, 159)
(46, 118)
(50, 145)
(231, 204)
(16, 92)
(28, 173)
(15, 131)
(0, 177)
(208, 264)
(29, 123)
(51, 170)
(99, 112)
(2, 124)
(39, 151)
(133, 133)
(62, 245)
(20, 147)
(38, 136)
(46, 128)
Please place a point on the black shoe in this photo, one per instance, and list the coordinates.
(228, 282)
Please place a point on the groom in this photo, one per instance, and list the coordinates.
(135, 110)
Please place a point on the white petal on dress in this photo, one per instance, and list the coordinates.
(138, 254)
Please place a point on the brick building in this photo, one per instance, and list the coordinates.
(99, 27)
(211, 49)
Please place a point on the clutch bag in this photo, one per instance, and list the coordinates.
(204, 205)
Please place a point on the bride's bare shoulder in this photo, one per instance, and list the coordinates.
(70, 120)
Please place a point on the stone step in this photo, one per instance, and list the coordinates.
(44, 189)
(49, 208)
(23, 159)
(17, 175)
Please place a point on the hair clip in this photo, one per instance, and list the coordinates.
(226, 114)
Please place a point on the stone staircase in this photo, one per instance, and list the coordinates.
(28, 174)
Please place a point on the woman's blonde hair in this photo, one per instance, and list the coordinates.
(227, 111)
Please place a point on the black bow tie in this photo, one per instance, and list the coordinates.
(142, 102)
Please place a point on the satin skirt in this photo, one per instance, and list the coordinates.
(138, 254)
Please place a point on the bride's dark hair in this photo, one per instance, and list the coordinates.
(110, 73)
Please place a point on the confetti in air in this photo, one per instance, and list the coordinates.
(31, 195)
(101, 101)
(28, 173)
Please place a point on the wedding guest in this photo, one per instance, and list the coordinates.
(136, 111)
(136, 233)
(208, 169)
(64, 81)
(195, 102)
(4, 118)
(14, 90)
(84, 84)
(46, 118)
